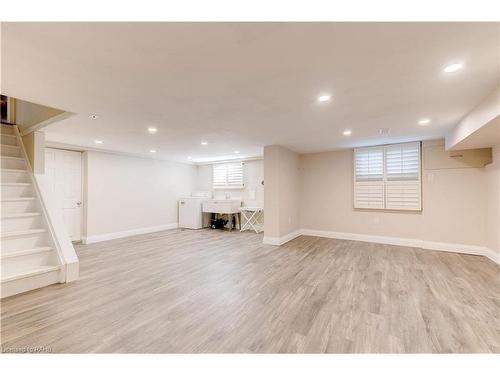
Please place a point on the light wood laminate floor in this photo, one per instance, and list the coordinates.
(212, 291)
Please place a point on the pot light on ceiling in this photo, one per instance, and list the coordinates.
(236, 152)
(190, 157)
(453, 67)
(204, 143)
(152, 151)
(424, 121)
(347, 132)
(152, 130)
(324, 98)
(93, 117)
(98, 142)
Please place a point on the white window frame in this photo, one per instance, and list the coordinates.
(228, 185)
(387, 184)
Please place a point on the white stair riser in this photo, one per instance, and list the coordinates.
(19, 207)
(11, 151)
(33, 282)
(21, 223)
(10, 244)
(14, 163)
(17, 191)
(19, 264)
(6, 129)
(10, 141)
(15, 177)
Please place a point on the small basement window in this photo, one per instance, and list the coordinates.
(388, 177)
(228, 176)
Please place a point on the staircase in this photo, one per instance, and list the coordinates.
(29, 258)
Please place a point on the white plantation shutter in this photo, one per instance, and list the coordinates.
(368, 178)
(228, 175)
(403, 161)
(403, 186)
(369, 164)
(388, 177)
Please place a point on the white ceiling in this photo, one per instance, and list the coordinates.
(241, 86)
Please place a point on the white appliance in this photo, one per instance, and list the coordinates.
(190, 210)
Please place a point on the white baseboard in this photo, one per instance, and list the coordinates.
(277, 241)
(127, 233)
(410, 242)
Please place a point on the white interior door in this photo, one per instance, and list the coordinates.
(64, 169)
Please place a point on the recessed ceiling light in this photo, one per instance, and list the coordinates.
(152, 151)
(236, 152)
(424, 121)
(347, 132)
(152, 130)
(98, 142)
(324, 98)
(93, 117)
(453, 67)
(190, 157)
(204, 143)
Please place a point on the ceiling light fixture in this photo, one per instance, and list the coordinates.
(152, 151)
(236, 152)
(152, 130)
(93, 117)
(453, 67)
(324, 98)
(424, 121)
(190, 157)
(204, 143)
(347, 132)
(98, 142)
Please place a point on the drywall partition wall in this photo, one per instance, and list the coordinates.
(492, 172)
(253, 192)
(34, 144)
(454, 205)
(281, 176)
(130, 195)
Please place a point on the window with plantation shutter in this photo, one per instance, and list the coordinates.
(388, 177)
(368, 180)
(228, 176)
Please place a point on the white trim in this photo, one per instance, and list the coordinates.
(278, 241)
(409, 242)
(127, 233)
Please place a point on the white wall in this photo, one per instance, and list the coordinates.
(253, 175)
(129, 195)
(281, 172)
(454, 203)
(492, 173)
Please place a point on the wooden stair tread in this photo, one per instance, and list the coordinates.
(16, 184)
(24, 214)
(18, 253)
(12, 170)
(31, 272)
(12, 157)
(26, 232)
(15, 199)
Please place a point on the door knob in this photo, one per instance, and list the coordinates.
(78, 203)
